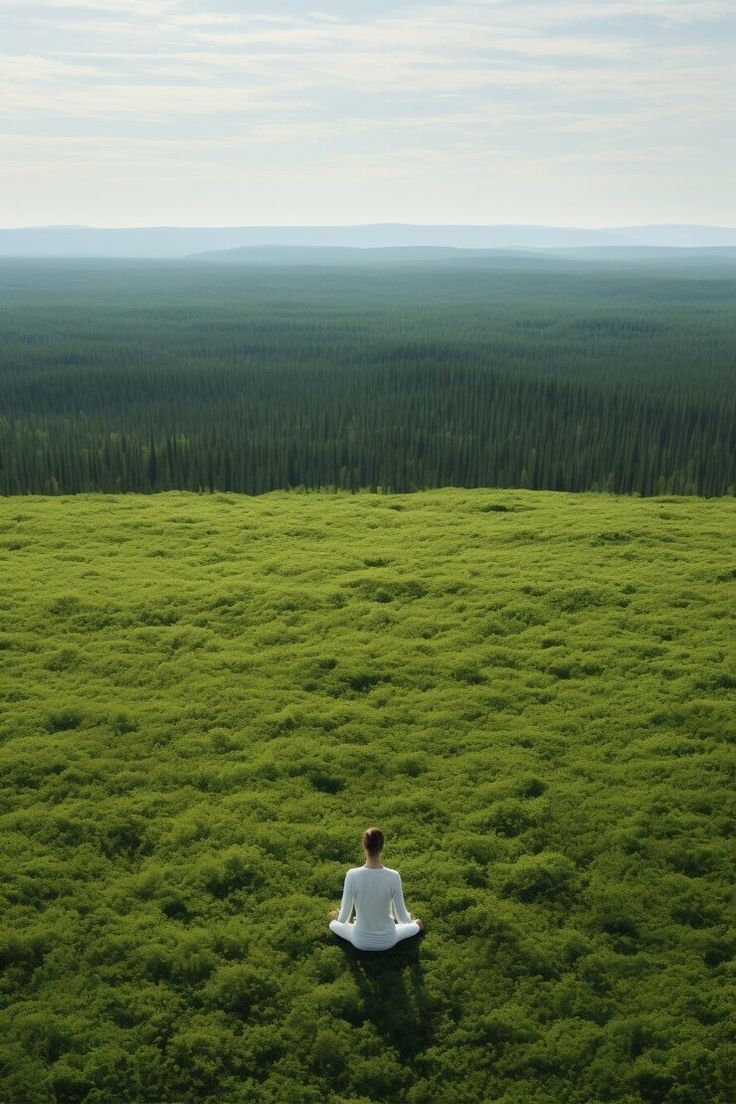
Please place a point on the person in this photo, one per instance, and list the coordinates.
(375, 892)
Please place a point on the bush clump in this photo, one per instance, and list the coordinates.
(64, 720)
(548, 876)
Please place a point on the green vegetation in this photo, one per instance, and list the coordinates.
(204, 699)
(554, 375)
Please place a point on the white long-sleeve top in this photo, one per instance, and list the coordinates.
(378, 899)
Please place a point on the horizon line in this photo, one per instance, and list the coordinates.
(366, 225)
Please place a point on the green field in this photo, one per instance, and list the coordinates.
(205, 699)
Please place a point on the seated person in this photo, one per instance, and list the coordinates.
(375, 892)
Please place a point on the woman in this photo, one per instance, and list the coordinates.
(375, 892)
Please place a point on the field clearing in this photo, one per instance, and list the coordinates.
(204, 699)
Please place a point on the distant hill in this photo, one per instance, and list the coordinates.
(336, 256)
(351, 255)
(172, 242)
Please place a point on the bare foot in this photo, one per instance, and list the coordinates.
(332, 914)
(419, 923)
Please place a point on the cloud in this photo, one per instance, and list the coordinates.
(54, 8)
(179, 82)
(142, 101)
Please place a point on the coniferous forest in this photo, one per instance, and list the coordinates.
(559, 375)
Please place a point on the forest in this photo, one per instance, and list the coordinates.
(205, 699)
(562, 375)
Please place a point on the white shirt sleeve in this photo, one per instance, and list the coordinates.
(397, 901)
(346, 906)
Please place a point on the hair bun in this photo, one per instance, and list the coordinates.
(373, 840)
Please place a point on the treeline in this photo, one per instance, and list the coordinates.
(314, 382)
(394, 430)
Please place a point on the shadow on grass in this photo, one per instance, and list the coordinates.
(391, 986)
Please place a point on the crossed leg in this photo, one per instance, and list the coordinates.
(347, 931)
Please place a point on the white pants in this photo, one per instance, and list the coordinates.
(374, 941)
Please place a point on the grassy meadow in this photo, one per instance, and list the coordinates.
(204, 700)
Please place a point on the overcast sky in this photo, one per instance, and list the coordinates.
(242, 112)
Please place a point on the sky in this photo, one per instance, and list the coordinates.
(229, 112)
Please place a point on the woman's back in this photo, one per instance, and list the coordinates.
(378, 898)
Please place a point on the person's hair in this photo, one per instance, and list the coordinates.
(373, 840)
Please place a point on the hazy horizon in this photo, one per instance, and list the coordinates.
(310, 244)
(287, 225)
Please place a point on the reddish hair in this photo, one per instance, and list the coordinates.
(373, 840)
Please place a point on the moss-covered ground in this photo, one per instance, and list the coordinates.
(205, 699)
